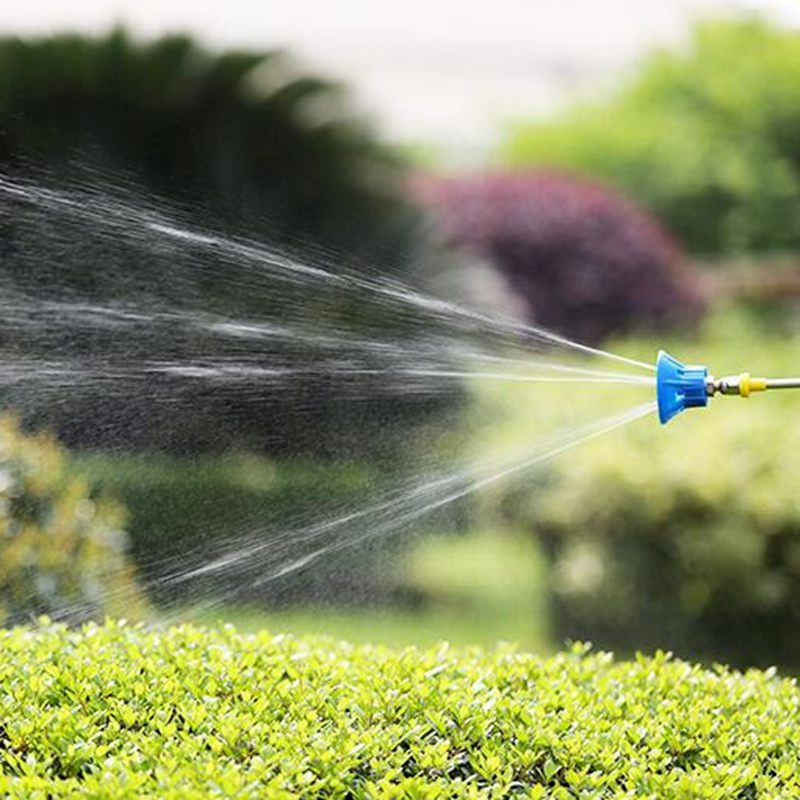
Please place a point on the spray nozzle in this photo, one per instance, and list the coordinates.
(679, 386)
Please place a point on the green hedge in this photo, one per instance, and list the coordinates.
(119, 712)
(706, 138)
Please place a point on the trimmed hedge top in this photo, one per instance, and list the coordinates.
(117, 711)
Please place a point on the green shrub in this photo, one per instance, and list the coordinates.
(581, 259)
(61, 551)
(685, 536)
(113, 711)
(705, 138)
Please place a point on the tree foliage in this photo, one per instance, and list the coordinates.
(237, 143)
(244, 138)
(705, 137)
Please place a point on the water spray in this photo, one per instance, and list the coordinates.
(680, 386)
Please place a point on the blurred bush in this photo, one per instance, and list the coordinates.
(186, 513)
(62, 551)
(685, 537)
(705, 137)
(585, 261)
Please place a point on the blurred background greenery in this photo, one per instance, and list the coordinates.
(666, 215)
(706, 139)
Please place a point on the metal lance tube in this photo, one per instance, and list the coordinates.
(744, 385)
(783, 383)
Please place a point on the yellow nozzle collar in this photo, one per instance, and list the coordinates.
(748, 384)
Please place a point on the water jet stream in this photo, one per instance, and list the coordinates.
(170, 347)
(145, 229)
(392, 515)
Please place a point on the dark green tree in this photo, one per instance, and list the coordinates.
(241, 142)
(246, 137)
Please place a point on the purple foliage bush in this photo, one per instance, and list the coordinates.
(585, 261)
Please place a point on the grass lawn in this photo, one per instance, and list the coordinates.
(477, 589)
(386, 627)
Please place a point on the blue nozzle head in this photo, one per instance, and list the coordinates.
(678, 386)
